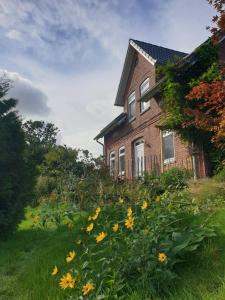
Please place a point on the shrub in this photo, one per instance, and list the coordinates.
(220, 176)
(128, 247)
(174, 179)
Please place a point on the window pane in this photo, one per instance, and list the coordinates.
(131, 110)
(145, 105)
(168, 146)
(144, 86)
(122, 165)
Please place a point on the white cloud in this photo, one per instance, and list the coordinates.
(31, 100)
(13, 35)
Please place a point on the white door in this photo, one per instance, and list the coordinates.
(139, 165)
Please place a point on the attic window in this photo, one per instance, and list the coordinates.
(143, 90)
(131, 106)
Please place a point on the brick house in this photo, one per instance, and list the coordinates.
(134, 141)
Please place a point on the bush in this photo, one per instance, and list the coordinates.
(174, 179)
(123, 248)
(220, 176)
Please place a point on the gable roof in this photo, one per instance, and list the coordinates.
(152, 53)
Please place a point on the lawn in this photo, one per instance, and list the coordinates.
(27, 260)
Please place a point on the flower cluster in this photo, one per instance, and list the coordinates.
(129, 221)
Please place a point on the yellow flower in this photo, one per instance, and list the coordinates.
(90, 227)
(129, 223)
(89, 218)
(101, 237)
(162, 257)
(55, 271)
(115, 227)
(157, 199)
(78, 242)
(67, 281)
(98, 209)
(129, 212)
(70, 256)
(95, 217)
(144, 205)
(87, 288)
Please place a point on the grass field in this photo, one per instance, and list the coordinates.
(27, 259)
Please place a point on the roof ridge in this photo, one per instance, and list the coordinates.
(158, 46)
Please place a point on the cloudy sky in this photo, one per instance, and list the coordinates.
(65, 56)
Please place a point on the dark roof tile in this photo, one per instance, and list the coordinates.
(161, 54)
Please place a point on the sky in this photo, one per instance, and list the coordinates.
(65, 57)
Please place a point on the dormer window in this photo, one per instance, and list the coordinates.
(131, 106)
(143, 90)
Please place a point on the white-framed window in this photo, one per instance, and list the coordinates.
(139, 159)
(122, 160)
(144, 87)
(131, 106)
(168, 147)
(112, 163)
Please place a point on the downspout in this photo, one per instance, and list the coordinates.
(100, 143)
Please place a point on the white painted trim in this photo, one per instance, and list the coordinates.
(142, 52)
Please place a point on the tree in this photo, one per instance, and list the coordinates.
(40, 137)
(14, 177)
(218, 19)
(209, 111)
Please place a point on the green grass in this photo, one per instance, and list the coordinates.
(27, 260)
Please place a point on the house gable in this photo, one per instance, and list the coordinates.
(151, 53)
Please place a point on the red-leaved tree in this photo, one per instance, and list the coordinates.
(208, 99)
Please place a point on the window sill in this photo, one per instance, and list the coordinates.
(142, 112)
(169, 161)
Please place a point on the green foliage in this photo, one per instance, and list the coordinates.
(15, 179)
(220, 176)
(174, 179)
(178, 80)
(129, 259)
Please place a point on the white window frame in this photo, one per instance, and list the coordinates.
(120, 155)
(144, 105)
(112, 157)
(139, 174)
(171, 159)
(131, 99)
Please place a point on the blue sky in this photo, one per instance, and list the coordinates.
(65, 57)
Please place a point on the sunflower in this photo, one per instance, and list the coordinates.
(87, 288)
(115, 227)
(95, 216)
(90, 227)
(101, 236)
(129, 223)
(55, 271)
(129, 212)
(144, 205)
(70, 256)
(162, 257)
(98, 209)
(67, 281)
